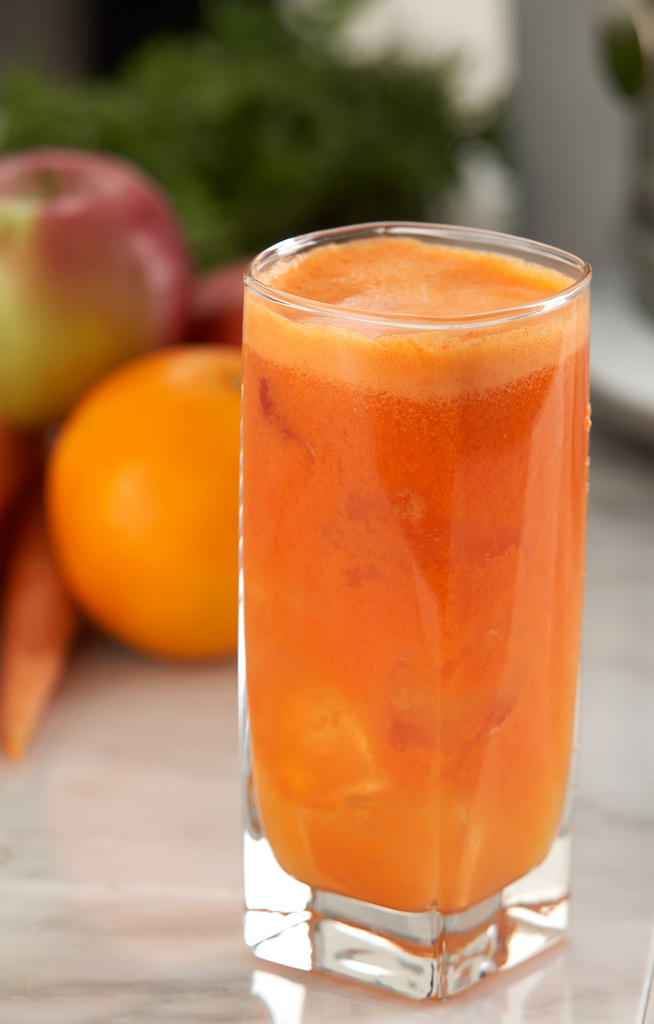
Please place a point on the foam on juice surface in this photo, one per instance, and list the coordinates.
(403, 277)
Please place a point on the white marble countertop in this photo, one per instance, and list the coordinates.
(120, 873)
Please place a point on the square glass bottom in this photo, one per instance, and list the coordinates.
(424, 956)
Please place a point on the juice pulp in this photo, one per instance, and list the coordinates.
(413, 538)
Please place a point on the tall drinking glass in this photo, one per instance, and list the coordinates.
(415, 427)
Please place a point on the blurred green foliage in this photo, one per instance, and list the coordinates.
(259, 130)
(622, 52)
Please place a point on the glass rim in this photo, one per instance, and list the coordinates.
(463, 237)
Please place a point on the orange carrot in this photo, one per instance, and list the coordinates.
(20, 454)
(38, 626)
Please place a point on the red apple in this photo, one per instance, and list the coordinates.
(93, 270)
(217, 304)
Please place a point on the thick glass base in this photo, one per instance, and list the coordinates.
(423, 956)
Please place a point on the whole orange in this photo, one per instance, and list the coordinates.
(142, 498)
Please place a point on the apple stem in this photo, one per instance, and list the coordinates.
(46, 183)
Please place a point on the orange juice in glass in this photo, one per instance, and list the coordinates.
(415, 426)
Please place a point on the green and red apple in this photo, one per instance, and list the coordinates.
(94, 270)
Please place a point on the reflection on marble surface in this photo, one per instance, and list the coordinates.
(120, 876)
